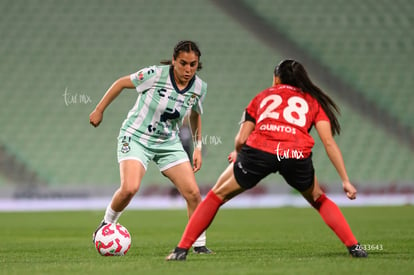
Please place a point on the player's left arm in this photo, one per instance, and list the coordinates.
(247, 125)
(246, 128)
(195, 125)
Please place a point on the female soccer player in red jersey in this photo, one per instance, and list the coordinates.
(274, 137)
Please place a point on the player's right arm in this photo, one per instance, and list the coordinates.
(334, 153)
(116, 88)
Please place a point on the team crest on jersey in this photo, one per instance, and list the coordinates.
(191, 101)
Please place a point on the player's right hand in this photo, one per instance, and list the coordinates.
(349, 190)
(95, 118)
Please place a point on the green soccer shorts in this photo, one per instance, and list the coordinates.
(165, 155)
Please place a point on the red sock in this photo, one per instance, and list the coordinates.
(334, 218)
(200, 220)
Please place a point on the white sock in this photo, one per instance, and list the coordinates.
(201, 241)
(111, 216)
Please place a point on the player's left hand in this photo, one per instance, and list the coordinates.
(232, 156)
(197, 160)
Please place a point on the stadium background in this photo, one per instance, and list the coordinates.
(59, 57)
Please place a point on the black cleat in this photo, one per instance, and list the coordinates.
(179, 254)
(357, 251)
(103, 223)
(202, 250)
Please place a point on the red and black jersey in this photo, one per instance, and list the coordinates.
(284, 115)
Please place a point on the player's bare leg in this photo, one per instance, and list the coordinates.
(131, 173)
(226, 186)
(225, 189)
(183, 178)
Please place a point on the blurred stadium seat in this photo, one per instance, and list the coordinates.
(57, 55)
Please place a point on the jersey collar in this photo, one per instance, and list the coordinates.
(190, 83)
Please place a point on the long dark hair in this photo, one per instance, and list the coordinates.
(293, 73)
(185, 46)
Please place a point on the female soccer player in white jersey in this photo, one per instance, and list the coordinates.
(274, 137)
(166, 94)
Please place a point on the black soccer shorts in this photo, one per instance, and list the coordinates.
(253, 165)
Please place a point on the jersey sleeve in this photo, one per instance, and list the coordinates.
(199, 106)
(321, 115)
(250, 113)
(201, 88)
(144, 78)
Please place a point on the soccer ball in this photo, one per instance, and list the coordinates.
(112, 240)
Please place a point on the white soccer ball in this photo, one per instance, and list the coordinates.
(112, 240)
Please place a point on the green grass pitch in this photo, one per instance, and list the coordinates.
(246, 241)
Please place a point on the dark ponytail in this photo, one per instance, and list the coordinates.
(293, 73)
(185, 46)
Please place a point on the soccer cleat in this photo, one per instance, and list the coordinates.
(202, 250)
(179, 254)
(357, 251)
(103, 223)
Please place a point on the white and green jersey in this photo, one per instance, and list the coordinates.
(160, 108)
